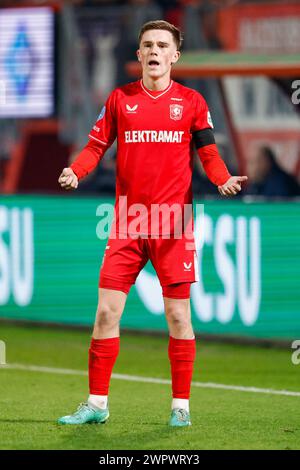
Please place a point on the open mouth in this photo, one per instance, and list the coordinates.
(153, 63)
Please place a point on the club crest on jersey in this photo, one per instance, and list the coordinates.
(176, 111)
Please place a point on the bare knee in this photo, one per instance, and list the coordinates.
(109, 311)
(178, 317)
(108, 316)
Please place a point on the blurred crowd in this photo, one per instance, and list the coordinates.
(267, 178)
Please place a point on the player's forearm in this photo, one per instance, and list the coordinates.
(88, 159)
(213, 164)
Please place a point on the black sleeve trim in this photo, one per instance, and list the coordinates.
(203, 137)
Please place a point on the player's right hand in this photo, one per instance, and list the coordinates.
(68, 180)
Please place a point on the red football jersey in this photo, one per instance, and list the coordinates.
(154, 136)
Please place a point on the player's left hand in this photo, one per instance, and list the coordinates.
(232, 186)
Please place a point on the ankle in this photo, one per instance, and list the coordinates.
(98, 401)
(181, 403)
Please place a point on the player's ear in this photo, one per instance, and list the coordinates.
(138, 55)
(175, 57)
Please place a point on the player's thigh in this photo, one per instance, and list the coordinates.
(111, 303)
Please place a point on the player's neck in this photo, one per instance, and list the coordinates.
(158, 84)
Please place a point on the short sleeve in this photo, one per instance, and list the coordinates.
(105, 129)
(202, 118)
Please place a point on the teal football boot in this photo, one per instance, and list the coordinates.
(180, 417)
(85, 415)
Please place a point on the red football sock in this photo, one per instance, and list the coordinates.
(182, 354)
(102, 357)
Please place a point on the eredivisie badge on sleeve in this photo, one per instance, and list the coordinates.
(176, 111)
(102, 112)
(209, 119)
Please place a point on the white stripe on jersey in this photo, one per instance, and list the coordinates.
(196, 267)
(98, 140)
(157, 96)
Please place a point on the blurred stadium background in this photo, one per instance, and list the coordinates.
(58, 63)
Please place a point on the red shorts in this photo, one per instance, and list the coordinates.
(174, 261)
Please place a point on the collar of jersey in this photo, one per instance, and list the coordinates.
(149, 91)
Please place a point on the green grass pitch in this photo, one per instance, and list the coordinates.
(31, 402)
